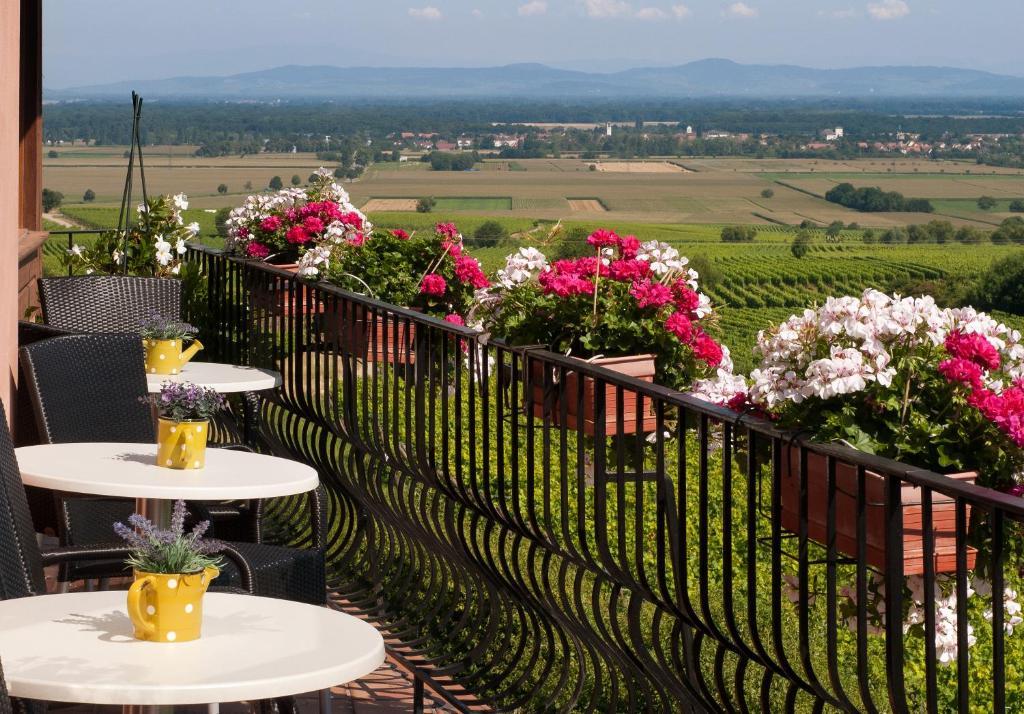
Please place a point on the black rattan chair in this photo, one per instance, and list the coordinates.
(107, 303)
(92, 387)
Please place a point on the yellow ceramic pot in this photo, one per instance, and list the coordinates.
(167, 356)
(168, 607)
(181, 444)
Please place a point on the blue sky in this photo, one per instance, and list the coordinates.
(92, 43)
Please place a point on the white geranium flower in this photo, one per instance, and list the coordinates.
(193, 228)
(180, 201)
(163, 251)
(180, 246)
(76, 250)
(117, 255)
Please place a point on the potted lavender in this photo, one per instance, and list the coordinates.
(172, 569)
(164, 341)
(184, 411)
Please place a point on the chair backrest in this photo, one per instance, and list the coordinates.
(21, 567)
(107, 303)
(88, 388)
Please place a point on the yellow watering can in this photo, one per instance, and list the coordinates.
(167, 356)
(166, 607)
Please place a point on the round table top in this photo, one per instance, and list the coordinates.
(224, 378)
(78, 647)
(130, 471)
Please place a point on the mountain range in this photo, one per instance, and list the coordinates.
(704, 78)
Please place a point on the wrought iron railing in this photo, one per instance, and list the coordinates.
(549, 535)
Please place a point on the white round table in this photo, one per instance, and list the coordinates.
(130, 471)
(225, 378)
(79, 647)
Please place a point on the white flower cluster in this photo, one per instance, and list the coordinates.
(521, 267)
(665, 260)
(849, 343)
(314, 260)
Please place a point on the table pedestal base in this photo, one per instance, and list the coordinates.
(157, 510)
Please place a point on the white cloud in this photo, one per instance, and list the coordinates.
(680, 11)
(534, 7)
(606, 8)
(888, 9)
(741, 10)
(650, 13)
(477, 12)
(425, 13)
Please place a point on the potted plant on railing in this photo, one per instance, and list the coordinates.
(184, 411)
(279, 228)
(164, 343)
(427, 272)
(173, 568)
(631, 307)
(896, 377)
(155, 245)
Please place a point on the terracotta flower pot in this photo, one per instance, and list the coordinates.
(638, 366)
(371, 337)
(270, 296)
(943, 514)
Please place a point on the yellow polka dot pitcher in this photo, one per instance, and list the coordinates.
(181, 444)
(168, 607)
(168, 356)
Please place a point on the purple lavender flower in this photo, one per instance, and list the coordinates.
(158, 550)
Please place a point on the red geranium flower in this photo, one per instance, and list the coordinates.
(434, 285)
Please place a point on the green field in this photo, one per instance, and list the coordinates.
(471, 203)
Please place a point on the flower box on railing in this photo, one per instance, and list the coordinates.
(638, 366)
(875, 500)
(280, 297)
(371, 336)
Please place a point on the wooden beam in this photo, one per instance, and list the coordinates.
(30, 145)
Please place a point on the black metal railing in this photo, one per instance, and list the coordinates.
(549, 535)
(56, 247)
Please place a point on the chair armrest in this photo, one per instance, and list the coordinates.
(72, 553)
(109, 551)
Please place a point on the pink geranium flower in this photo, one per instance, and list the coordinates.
(297, 235)
(257, 251)
(270, 224)
(707, 350)
(468, 271)
(602, 238)
(961, 370)
(400, 234)
(455, 319)
(650, 294)
(680, 326)
(629, 246)
(973, 347)
(433, 285)
(313, 224)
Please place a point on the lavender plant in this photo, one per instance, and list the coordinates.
(157, 327)
(184, 401)
(172, 550)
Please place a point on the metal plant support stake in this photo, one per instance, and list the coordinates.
(124, 218)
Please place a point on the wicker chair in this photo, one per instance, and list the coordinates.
(118, 303)
(91, 388)
(107, 303)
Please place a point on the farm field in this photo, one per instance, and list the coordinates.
(658, 190)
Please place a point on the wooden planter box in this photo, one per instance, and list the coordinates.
(370, 337)
(266, 297)
(943, 514)
(638, 366)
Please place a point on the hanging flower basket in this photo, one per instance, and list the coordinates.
(876, 517)
(633, 420)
